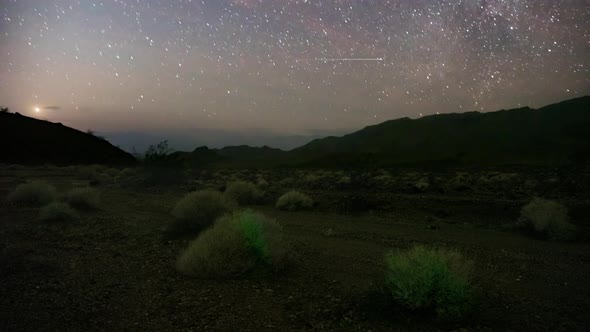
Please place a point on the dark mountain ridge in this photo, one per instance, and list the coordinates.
(25, 140)
(554, 134)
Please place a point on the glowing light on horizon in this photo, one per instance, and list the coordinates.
(37, 110)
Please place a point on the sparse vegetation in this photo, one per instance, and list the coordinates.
(95, 174)
(262, 183)
(198, 210)
(83, 198)
(57, 211)
(430, 279)
(293, 201)
(313, 179)
(422, 184)
(157, 154)
(243, 192)
(345, 180)
(546, 218)
(32, 193)
(383, 180)
(236, 244)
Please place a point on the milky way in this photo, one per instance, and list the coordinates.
(286, 64)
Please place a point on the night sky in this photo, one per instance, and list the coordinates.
(290, 66)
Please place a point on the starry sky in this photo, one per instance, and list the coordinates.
(290, 67)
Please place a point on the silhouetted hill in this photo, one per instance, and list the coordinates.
(230, 156)
(25, 140)
(553, 134)
(244, 152)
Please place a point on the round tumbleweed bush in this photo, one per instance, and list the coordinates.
(293, 201)
(547, 218)
(238, 243)
(83, 198)
(200, 209)
(32, 193)
(243, 192)
(430, 279)
(57, 211)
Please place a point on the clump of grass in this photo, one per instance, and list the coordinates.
(243, 192)
(32, 193)
(238, 243)
(431, 279)
(57, 211)
(547, 219)
(198, 210)
(83, 198)
(294, 201)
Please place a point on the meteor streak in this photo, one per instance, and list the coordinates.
(339, 59)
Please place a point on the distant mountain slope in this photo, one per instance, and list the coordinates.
(552, 134)
(25, 140)
(230, 156)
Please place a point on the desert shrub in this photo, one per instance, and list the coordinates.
(546, 218)
(262, 183)
(126, 175)
(430, 279)
(112, 172)
(89, 172)
(95, 174)
(83, 198)
(293, 201)
(461, 182)
(236, 244)
(57, 211)
(422, 184)
(345, 180)
(496, 177)
(383, 180)
(199, 209)
(128, 172)
(313, 178)
(286, 182)
(32, 193)
(243, 192)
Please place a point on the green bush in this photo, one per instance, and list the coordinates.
(546, 218)
(293, 201)
(57, 211)
(199, 209)
(32, 193)
(243, 192)
(83, 198)
(238, 243)
(430, 279)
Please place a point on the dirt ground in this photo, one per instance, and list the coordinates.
(113, 270)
